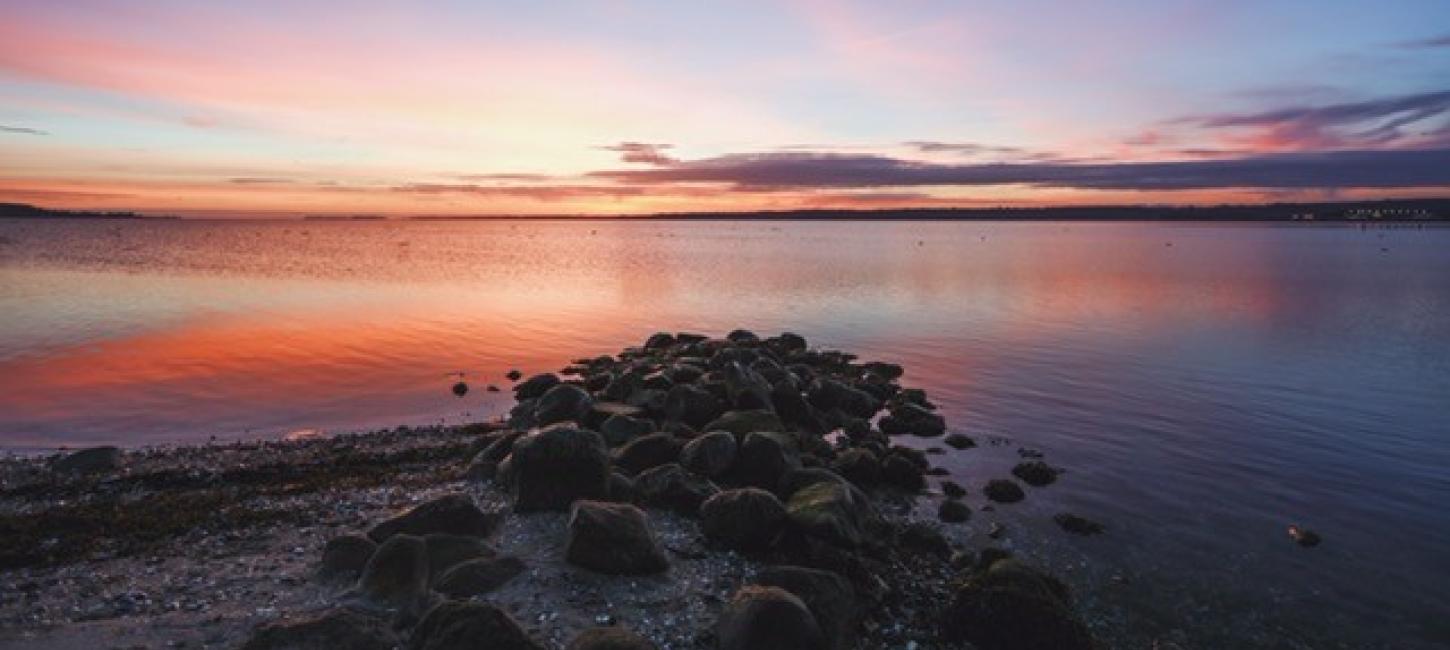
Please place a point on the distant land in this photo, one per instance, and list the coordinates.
(1354, 211)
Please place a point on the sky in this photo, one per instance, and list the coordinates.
(612, 107)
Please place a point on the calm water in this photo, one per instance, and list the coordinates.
(1205, 385)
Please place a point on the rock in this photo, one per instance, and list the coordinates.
(610, 638)
(88, 461)
(469, 625)
(671, 486)
(396, 576)
(830, 598)
(953, 512)
(659, 341)
(746, 388)
(683, 373)
(764, 458)
(741, 423)
(1077, 525)
(692, 405)
(445, 551)
(648, 451)
(747, 519)
(460, 389)
(794, 480)
(1003, 491)
(790, 342)
(922, 536)
(613, 538)
(835, 512)
(480, 576)
(346, 555)
(514, 375)
(887, 371)
(454, 514)
(859, 466)
(709, 455)
(563, 403)
(535, 387)
(953, 490)
(484, 466)
(830, 395)
(333, 630)
(555, 466)
(1035, 473)
(898, 470)
(620, 429)
(1009, 606)
(621, 488)
(959, 441)
(768, 618)
(1301, 536)
(742, 336)
(913, 419)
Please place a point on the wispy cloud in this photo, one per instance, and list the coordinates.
(1442, 40)
(249, 180)
(1369, 123)
(22, 130)
(642, 152)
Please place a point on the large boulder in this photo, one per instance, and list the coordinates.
(832, 395)
(830, 597)
(1012, 607)
(648, 451)
(746, 388)
(765, 457)
(744, 422)
(445, 551)
(469, 625)
(484, 466)
(913, 419)
(454, 514)
(613, 538)
(835, 512)
(610, 638)
(672, 486)
(88, 461)
(332, 630)
(535, 387)
(557, 465)
(859, 466)
(747, 519)
(396, 576)
(797, 479)
(692, 405)
(480, 576)
(710, 455)
(901, 472)
(563, 402)
(346, 555)
(767, 618)
(620, 429)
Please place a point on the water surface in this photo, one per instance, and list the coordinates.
(1204, 385)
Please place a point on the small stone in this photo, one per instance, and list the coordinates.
(1303, 536)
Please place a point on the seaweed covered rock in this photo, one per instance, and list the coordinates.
(557, 465)
(647, 451)
(746, 519)
(1035, 473)
(741, 423)
(610, 638)
(1003, 491)
(346, 555)
(913, 419)
(468, 625)
(768, 618)
(332, 630)
(692, 405)
(479, 576)
(898, 470)
(835, 512)
(710, 455)
(764, 457)
(671, 486)
(445, 551)
(454, 514)
(619, 429)
(613, 538)
(396, 576)
(859, 466)
(563, 402)
(830, 598)
(1009, 606)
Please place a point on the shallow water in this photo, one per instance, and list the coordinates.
(1204, 385)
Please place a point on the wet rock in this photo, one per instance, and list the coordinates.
(659, 341)
(887, 371)
(558, 465)
(742, 336)
(535, 386)
(831, 395)
(454, 514)
(1077, 525)
(1003, 491)
(746, 519)
(563, 402)
(859, 466)
(648, 451)
(953, 512)
(1302, 536)
(396, 576)
(924, 537)
(959, 441)
(692, 405)
(613, 538)
(513, 375)
(741, 423)
(913, 419)
(830, 598)
(794, 480)
(682, 373)
(1009, 607)
(460, 389)
(333, 630)
(764, 457)
(610, 638)
(88, 461)
(621, 488)
(469, 625)
(620, 429)
(746, 388)
(898, 470)
(484, 466)
(445, 551)
(1035, 473)
(768, 618)
(953, 490)
(835, 512)
(710, 455)
(672, 486)
(346, 555)
(479, 576)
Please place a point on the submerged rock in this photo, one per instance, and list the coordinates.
(454, 514)
(746, 519)
(1303, 537)
(1077, 525)
(959, 441)
(468, 625)
(768, 618)
(1003, 491)
(1035, 473)
(555, 466)
(613, 538)
(913, 419)
(953, 512)
(953, 490)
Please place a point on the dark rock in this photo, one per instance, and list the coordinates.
(469, 625)
(659, 341)
(953, 512)
(768, 618)
(621, 488)
(333, 630)
(346, 555)
(563, 403)
(790, 342)
(683, 373)
(765, 457)
(916, 456)
(648, 451)
(613, 538)
(913, 419)
(959, 441)
(692, 405)
(830, 395)
(460, 389)
(741, 423)
(445, 551)
(746, 388)
(479, 576)
(792, 408)
(454, 514)
(747, 519)
(1009, 607)
(620, 429)
(938, 471)
(610, 638)
(513, 375)
(922, 536)
(1003, 491)
(557, 465)
(794, 480)
(953, 490)
(835, 512)
(535, 387)
(1035, 473)
(915, 396)
(1301, 536)
(830, 598)
(898, 470)
(396, 576)
(710, 455)
(742, 336)
(88, 461)
(990, 555)
(859, 466)
(887, 371)
(1077, 525)
(671, 486)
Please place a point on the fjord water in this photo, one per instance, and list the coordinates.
(1203, 385)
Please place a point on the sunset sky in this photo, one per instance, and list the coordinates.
(205, 108)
